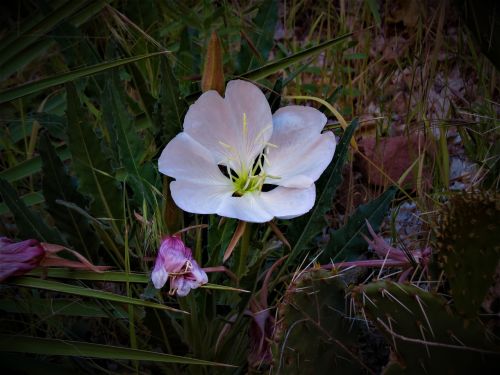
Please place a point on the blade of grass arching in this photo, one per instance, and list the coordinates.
(348, 243)
(91, 164)
(29, 223)
(277, 65)
(285, 62)
(262, 37)
(75, 290)
(29, 200)
(31, 35)
(57, 185)
(33, 87)
(37, 345)
(110, 276)
(38, 47)
(30, 22)
(63, 307)
(113, 276)
(312, 223)
(23, 58)
(30, 167)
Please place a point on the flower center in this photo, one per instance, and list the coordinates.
(247, 179)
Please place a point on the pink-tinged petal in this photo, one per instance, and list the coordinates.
(199, 198)
(302, 153)
(29, 254)
(159, 277)
(295, 118)
(248, 207)
(210, 121)
(173, 254)
(198, 274)
(243, 97)
(181, 286)
(286, 203)
(14, 269)
(186, 159)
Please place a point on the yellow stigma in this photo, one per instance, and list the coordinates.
(245, 126)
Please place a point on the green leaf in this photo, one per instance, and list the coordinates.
(262, 38)
(30, 167)
(32, 36)
(347, 242)
(113, 276)
(275, 95)
(308, 226)
(33, 87)
(57, 185)
(285, 62)
(170, 107)
(64, 307)
(37, 345)
(90, 164)
(29, 199)
(55, 286)
(9, 50)
(373, 5)
(188, 62)
(130, 148)
(29, 223)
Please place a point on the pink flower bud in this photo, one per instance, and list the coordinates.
(175, 260)
(17, 258)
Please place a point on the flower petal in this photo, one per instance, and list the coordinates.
(185, 159)
(199, 275)
(286, 203)
(246, 208)
(302, 153)
(245, 98)
(159, 276)
(210, 121)
(199, 198)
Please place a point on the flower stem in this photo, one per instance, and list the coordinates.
(244, 247)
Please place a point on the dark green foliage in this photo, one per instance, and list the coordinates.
(427, 337)
(188, 59)
(315, 334)
(261, 37)
(306, 227)
(57, 186)
(128, 145)
(275, 95)
(91, 165)
(29, 223)
(468, 243)
(348, 242)
(171, 107)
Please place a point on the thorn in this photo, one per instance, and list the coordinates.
(421, 329)
(393, 338)
(425, 315)
(368, 298)
(396, 300)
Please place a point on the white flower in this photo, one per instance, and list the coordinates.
(232, 150)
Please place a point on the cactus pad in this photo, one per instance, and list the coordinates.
(425, 335)
(468, 244)
(314, 334)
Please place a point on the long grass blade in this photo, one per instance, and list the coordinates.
(38, 345)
